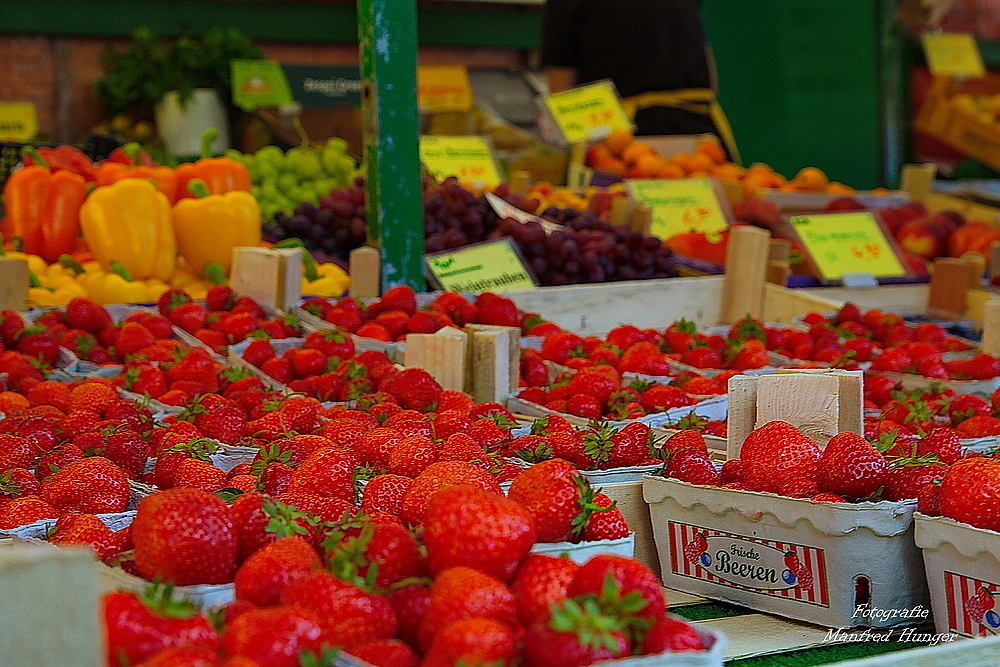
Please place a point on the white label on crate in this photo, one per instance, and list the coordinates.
(973, 609)
(765, 566)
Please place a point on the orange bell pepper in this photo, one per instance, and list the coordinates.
(163, 178)
(43, 209)
(220, 174)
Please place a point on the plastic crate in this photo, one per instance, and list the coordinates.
(942, 119)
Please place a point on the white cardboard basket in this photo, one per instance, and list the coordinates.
(961, 561)
(742, 541)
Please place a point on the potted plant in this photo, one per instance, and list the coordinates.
(185, 82)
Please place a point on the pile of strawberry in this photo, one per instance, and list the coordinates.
(474, 594)
(395, 314)
(968, 492)
(910, 414)
(651, 352)
(188, 374)
(88, 330)
(594, 447)
(778, 458)
(68, 449)
(598, 392)
(225, 319)
(891, 345)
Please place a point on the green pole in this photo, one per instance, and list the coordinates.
(387, 37)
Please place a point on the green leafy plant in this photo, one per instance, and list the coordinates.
(148, 68)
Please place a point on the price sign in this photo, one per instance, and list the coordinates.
(588, 112)
(444, 88)
(17, 121)
(259, 83)
(952, 54)
(468, 158)
(847, 243)
(680, 205)
(482, 267)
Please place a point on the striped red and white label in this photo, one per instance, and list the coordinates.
(972, 607)
(791, 571)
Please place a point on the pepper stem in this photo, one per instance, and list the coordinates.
(133, 151)
(214, 273)
(120, 269)
(210, 135)
(33, 280)
(308, 263)
(32, 152)
(198, 188)
(68, 262)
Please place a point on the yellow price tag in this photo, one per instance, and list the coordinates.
(18, 121)
(952, 54)
(842, 243)
(680, 205)
(468, 158)
(444, 88)
(483, 267)
(588, 112)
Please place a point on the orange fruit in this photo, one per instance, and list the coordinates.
(597, 153)
(636, 150)
(683, 161)
(836, 188)
(713, 150)
(670, 170)
(617, 141)
(702, 162)
(728, 171)
(650, 164)
(612, 166)
(699, 173)
(810, 178)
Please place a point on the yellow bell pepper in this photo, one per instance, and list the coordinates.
(129, 221)
(210, 226)
(116, 286)
(330, 281)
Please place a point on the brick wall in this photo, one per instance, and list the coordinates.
(57, 73)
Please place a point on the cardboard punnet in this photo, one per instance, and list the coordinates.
(581, 552)
(787, 556)
(963, 572)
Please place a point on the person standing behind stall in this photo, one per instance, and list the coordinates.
(654, 51)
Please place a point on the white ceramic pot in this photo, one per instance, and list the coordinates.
(182, 128)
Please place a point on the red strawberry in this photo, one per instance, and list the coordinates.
(414, 388)
(942, 441)
(472, 641)
(551, 492)
(462, 592)
(133, 338)
(671, 634)
(193, 473)
(264, 575)
(850, 466)
(690, 464)
(184, 536)
(576, 634)
(969, 492)
(384, 493)
(541, 581)
(630, 576)
(86, 530)
(84, 314)
(140, 626)
(92, 485)
(929, 499)
(607, 523)
(25, 510)
(908, 476)
(383, 553)
(780, 457)
(466, 526)
(220, 297)
(386, 653)
(347, 613)
(275, 636)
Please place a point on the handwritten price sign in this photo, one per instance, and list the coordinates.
(468, 158)
(588, 112)
(845, 243)
(952, 54)
(680, 205)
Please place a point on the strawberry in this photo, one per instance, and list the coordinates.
(942, 441)
(670, 634)
(265, 574)
(907, 476)
(660, 397)
(197, 474)
(184, 536)
(414, 388)
(123, 447)
(685, 438)
(583, 405)
(24, 510)
(608, 524)
(732, 471)
(380, 553)
(84, 314)
(690, 464)
(929, 499)
(86, 530)
(979, 427)
(347, 613)
(702, 356)
(462, 592)
(851, 466)
(577, 633)
(969, 492)
(11, 323)
(220, 297)
(18, 482)
(92, 485)
(328, 473)
(386, 653)
(781, 455)
(539, 582)
(412, 456)
(384, 493)
(561, 346)
(38, 344)
(467, 526)
(140, 626)
(398, 297)
(434, 478)
(145, 381)
(16, 452)
(258, 352)
(472, 641)
(643, 357)
(275, 636)
(551, 494)
(631, 577)
(133, 338)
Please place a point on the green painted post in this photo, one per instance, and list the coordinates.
(387, 38)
